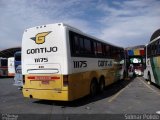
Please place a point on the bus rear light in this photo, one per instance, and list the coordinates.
(31, 77)
(65, 80)
(43, 78)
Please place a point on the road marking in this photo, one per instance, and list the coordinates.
(148, 86)
(116, 95)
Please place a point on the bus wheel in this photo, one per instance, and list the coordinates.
(101, 85)
(149, 79)
(93, 88)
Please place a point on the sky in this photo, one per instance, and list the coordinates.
(124, 23)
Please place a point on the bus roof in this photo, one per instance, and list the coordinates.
(155, 35)
(154, 40)
(75, 30)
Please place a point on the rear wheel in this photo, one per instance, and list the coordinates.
(93, 88)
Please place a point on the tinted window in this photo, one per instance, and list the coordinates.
(18, 57)
(76, 45)
(87, 46)
(95, 48)
(99, 48)
(81, 45)
(148, 50)
(107, 51)
(158, 47)
(153, 48)
(4, 62)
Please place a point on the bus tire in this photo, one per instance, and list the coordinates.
(101, 85)
(93, 88)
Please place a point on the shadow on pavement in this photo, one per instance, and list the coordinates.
(109, 91)
(2, 77)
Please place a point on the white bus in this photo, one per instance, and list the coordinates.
(11, 67)
(152, 71)
(60, 62)
(18, 79)
(3, 67)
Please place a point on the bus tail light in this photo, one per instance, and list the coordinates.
(65, 80)
(31, 77)
(55, 78)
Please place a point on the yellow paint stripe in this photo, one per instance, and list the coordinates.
(116, 95)
(148, 86)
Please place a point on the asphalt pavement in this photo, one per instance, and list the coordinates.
(132, 96)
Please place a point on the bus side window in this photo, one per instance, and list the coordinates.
(148, 50)
(107, 51)
(87, 46)
(114, 52)
(95, 48)
(81, 41)
(99, 48)
(76, 45)
(111, 51)
(158, 47)
(152, 49)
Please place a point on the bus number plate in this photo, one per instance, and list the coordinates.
(45, 81)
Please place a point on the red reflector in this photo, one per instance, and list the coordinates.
(31, 77)
(43, 78)
(37, 78)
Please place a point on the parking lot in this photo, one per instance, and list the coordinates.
(133, 96)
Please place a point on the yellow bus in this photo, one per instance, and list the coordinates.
(60, 62)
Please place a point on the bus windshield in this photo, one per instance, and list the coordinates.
(18, 57)
(4, 62)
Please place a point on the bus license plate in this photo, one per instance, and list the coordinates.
(45, 82)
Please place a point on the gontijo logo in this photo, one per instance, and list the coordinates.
(40, 37)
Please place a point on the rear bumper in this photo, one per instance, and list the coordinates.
(46, 94)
